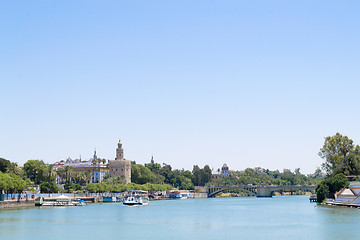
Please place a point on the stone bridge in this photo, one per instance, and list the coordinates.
(258, 190)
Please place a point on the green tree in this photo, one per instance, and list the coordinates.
(287, 175)
(154, 167)
(51, 173)
(201, 176)
(141, 174)
(87, 176)
(330, 185)
(4, 184)
(340, 155)
(14, 168)
(92, 188)
(197, 175)
(318, 173)
(205, 175)
(322, 190)
(115, 180)
(71, 187)
(68, 170)
(47, 187)
(11, 183)
(166, 172)
(4, 164)
(186, 183)
(35, 170)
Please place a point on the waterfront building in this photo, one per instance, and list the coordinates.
(120, 166)
(225, 170)
(349, 195)
(95, 166)
(215, 177)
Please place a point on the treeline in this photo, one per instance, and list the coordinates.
(185, 179)
(181, 179)
(150, 176)
(103, 187)
(34, 170)
(10, 183)
(261, 176)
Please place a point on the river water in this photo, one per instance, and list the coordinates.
(286, 217)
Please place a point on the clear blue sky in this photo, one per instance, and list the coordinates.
(247, 83)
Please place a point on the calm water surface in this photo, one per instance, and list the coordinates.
(290, 217)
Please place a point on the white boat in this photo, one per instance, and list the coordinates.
(186, 194)
(62, 201)
(136, 198)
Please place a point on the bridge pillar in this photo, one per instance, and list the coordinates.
(264, 192)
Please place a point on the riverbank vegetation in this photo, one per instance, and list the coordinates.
(103, 187)
(150, 176)
(10, 183)
(261, 176)
(342, 158)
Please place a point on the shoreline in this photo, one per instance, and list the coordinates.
(341, 204)
(17, 204)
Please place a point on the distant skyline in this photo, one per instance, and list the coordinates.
(247, 83)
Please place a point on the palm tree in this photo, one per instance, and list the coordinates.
(14, 168)
(51, 172)
(61, 174)
(68, 173)
(76, 177)
(79, 177)
(82, 178)
(87, 176)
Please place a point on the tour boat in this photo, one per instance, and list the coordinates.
(62, 201)
(136, 198)
(186, 195)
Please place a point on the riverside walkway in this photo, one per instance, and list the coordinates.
(256, 190)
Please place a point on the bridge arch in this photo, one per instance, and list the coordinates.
(219, 190)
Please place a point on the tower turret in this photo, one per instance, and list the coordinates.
(120, 152)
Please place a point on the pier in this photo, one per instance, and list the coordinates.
(313, 198)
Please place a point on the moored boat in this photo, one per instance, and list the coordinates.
(182, 194)
(61, 201)
(136, 198)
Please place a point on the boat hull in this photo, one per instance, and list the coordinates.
(135, 204)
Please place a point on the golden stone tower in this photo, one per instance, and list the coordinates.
(119, 166)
